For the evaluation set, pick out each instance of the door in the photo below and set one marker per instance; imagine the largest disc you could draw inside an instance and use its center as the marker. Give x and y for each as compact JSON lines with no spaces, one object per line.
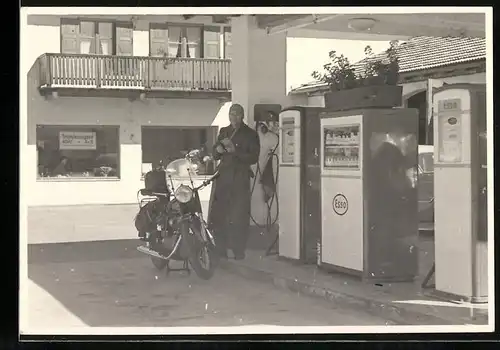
{"x":311,"y":186}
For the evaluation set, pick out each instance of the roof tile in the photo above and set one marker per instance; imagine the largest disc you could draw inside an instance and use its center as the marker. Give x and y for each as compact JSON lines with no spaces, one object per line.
{"x":424,"y":52}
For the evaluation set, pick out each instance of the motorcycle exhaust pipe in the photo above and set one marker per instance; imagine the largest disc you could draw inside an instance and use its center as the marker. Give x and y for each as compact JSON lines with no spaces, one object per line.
{"x":150,"y":252}
{"x":147,"y":250}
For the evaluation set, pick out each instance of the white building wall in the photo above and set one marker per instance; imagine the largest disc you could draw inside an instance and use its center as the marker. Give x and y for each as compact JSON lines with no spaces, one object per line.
{"x":40,"y":40}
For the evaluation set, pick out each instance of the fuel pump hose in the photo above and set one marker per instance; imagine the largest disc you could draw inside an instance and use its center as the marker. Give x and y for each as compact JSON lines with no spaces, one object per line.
{"x":269,"y":220}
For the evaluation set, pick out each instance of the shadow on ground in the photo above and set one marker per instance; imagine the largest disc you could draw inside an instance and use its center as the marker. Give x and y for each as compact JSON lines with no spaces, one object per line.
{"x":130,"y":292}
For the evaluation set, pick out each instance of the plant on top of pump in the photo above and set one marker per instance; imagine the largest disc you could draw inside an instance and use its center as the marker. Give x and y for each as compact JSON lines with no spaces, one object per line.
{"x":382,"y":69}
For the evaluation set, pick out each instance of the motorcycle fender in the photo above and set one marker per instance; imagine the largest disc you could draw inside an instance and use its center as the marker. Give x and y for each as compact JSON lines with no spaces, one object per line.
{"x":184,"y":245}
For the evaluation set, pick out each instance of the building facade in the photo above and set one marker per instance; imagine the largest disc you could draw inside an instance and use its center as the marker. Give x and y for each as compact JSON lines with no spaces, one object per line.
{"x":111,"y":96}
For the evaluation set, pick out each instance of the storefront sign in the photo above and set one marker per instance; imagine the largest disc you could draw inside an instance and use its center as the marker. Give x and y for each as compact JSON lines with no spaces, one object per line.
{"x":340,"y":204}
{"x":73,"y":140}
{"x":288,"y":141}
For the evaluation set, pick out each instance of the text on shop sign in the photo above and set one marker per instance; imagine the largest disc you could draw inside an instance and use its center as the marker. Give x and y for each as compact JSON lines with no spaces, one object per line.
{"x":77,"y":140}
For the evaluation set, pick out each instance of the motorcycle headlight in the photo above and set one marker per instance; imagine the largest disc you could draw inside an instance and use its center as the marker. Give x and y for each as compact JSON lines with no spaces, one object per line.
{"x":183,"y":194}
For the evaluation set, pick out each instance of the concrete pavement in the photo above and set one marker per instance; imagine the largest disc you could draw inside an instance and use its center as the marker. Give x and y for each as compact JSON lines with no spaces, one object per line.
{"x":130,"y":292}
{"x":402,"y":303}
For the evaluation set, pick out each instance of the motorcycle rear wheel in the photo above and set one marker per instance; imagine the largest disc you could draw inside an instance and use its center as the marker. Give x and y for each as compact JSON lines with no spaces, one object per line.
{"x":202,"y":255}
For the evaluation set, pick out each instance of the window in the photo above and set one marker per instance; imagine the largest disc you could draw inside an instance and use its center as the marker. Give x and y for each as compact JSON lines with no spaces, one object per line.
{"x":170,"y":143}
{"x":99,"y":38}
{"x":77,"y":151}
{"x":227,"y":43}
{"x":175,"y":41}
{"x":426,"y":162}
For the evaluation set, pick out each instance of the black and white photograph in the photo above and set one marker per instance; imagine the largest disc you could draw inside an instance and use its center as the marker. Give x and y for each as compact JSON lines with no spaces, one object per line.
{"x":156,"y":196}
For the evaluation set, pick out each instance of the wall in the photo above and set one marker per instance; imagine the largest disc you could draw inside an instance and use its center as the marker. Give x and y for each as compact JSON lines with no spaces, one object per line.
{"x":258,"y":67}
{"x":39,"y":40}
{"x":130,"y":116}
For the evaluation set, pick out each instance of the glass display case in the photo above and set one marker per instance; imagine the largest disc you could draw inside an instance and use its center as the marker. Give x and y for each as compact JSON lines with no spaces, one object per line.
{"x":341,"y":147}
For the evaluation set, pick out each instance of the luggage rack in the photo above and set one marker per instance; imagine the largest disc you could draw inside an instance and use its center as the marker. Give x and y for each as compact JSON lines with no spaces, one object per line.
{"x":144,"y":199}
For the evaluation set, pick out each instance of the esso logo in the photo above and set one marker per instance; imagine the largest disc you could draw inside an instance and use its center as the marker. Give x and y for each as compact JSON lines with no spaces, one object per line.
{"x":340,"y":204}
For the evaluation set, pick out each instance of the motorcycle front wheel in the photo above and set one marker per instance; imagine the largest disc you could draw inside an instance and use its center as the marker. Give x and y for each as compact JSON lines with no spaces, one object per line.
{"x":202,"y":255}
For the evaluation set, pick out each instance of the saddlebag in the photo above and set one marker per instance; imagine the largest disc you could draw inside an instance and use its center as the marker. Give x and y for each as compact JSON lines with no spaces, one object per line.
{"x":144,"y":220}
{"x":156,"y":181}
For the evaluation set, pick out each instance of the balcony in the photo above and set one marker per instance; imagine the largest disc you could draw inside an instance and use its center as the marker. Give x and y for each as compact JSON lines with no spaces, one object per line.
{"x":154,"y":75}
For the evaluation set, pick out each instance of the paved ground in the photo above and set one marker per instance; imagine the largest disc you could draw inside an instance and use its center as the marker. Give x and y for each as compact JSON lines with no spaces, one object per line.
{"x":130,"y":292}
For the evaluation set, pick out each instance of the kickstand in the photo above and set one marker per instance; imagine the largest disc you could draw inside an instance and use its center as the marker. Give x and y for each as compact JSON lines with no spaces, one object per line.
{"x":428,"y":277}
{"x":185,"y":267}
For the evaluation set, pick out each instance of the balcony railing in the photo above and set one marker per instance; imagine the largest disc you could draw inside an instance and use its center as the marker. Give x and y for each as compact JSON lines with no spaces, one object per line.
{"x":120,"y":72}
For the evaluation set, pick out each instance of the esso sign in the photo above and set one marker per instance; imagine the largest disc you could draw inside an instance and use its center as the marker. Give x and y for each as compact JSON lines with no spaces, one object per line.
{"x":340,"y":204}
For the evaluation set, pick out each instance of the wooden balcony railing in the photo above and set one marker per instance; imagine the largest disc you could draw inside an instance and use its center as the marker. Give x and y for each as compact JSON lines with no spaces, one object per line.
{"x":99,"y":71}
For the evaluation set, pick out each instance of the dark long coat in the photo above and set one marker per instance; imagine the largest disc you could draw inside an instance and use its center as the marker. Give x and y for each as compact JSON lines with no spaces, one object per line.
{"x":230,"y":198}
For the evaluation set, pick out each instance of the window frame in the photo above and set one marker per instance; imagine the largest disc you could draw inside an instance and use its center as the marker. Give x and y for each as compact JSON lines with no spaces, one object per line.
{"x":80,"y":127}
{"x":183,"y":26}
{"x":95,"y":39}
{"x":211,"y":129}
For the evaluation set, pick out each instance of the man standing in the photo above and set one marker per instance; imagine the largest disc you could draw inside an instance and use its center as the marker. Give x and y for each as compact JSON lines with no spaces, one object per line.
{"x":238,"y":148}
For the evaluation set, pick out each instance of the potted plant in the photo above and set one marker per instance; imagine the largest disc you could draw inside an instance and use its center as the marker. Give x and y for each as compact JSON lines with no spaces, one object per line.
{"x":375,"y":86}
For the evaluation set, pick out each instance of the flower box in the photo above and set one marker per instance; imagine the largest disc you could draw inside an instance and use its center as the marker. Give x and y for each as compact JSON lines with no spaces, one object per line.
{"x":376,"y":96}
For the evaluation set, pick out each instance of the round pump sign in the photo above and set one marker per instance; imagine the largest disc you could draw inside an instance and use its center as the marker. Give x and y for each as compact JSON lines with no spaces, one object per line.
{"x":340,"y":204}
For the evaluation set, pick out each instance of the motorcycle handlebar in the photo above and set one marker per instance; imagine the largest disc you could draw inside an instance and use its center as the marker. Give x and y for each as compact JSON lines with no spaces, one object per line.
{"x":207,"y":182}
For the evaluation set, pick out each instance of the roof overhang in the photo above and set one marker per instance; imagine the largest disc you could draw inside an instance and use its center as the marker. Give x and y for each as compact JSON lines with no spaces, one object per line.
{"x":386,"y":26}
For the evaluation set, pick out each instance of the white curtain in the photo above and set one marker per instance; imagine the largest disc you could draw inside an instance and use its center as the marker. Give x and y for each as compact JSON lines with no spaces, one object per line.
{"x":85,"y":46}
{"x":105,"y":48}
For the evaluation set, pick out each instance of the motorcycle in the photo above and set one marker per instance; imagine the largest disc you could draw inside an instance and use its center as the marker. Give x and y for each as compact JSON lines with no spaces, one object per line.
{"x":172,"y":226}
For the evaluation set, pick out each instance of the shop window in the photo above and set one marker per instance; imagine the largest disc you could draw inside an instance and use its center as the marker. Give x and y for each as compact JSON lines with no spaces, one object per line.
{"x":170,"y":143}
{"x":77,"y":151}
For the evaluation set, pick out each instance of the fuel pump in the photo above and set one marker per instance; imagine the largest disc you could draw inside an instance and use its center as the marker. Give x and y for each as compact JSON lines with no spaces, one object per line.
{"x":460,"y":188}
{"x":265,"y":205}
{"x":300,"y":184}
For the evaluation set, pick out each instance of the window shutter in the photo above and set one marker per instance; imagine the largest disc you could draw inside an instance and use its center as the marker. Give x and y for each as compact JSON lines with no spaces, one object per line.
{"x":227,"y":43}
{"x":69,"y":37}
{"x":211,"y":42}
{"x":124,"y":40}
{"x":158,"y":39}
